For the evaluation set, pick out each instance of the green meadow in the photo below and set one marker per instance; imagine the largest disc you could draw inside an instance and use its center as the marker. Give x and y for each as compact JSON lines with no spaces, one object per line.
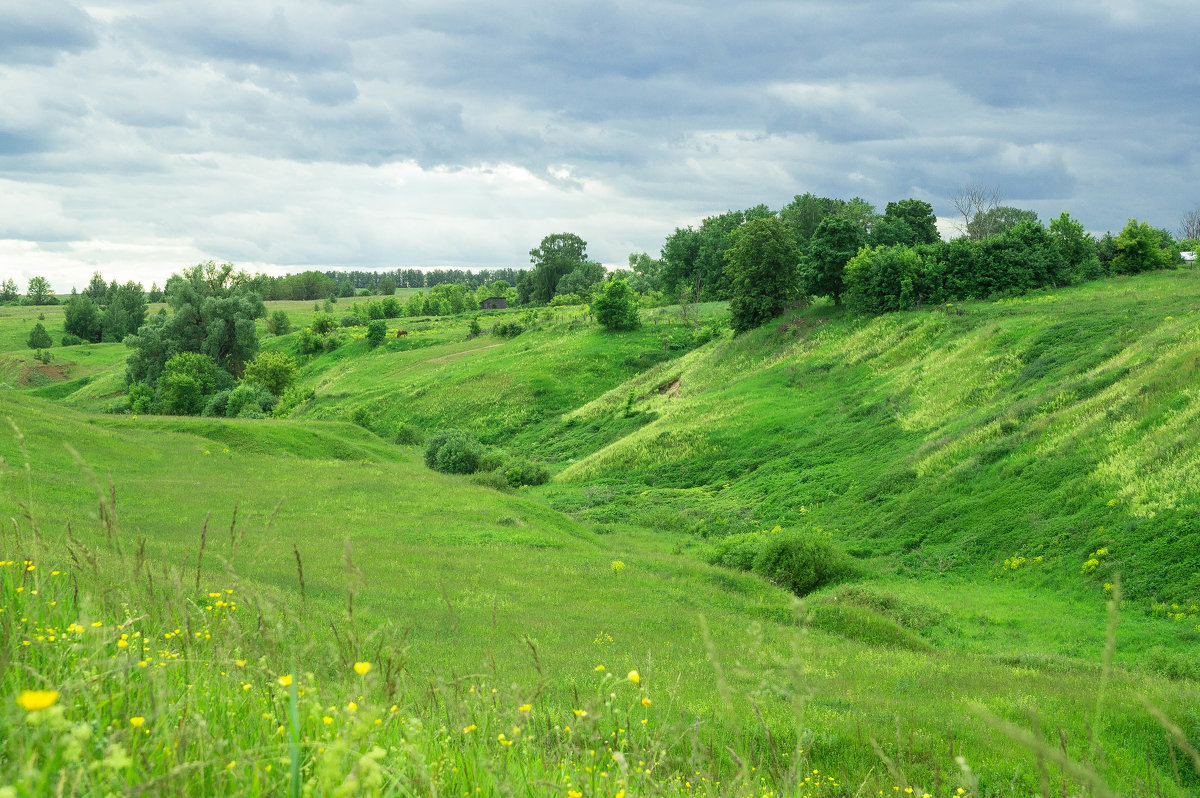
{"x":299,"y":606}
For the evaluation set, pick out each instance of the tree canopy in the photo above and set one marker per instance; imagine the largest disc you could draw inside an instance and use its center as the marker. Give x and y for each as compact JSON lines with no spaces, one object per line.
{"x":762,"y":270}
{"x":557,"y":256}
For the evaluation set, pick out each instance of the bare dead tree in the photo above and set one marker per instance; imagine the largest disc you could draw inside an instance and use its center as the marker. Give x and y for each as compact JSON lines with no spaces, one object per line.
{"x":975,"y":201}
{"x":1189,"y":226}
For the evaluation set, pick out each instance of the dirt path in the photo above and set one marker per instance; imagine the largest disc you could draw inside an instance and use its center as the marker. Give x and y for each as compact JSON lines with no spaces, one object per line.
{"x":453,"y":355}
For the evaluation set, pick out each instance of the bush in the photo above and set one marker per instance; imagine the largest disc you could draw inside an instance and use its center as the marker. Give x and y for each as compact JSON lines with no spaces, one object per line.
{"x":179,"y":394}
{"x":407,"y":435}
{"x":493,"y":459}
{"x":278,"y":323}
{"x":453,"y":452}
{"x":801,"y":561}
{"x":350,"y":320}
{"x":71,"y":340}
{"x":331,"y":342}
{"x":141,"y":398}
{"x":376,"y":332}
{"x":510,"y":329}
{"x":391,"y":307}
{"x":322,"y":323}
{"x":291,"y":399}
{"x":274,"y":371}
{"x":249,"y":394}
{"x":216,"y":404}
{"x":615,"y":305}
{"x":309,"y":342}
{"x":520,"y":471}
{"x":39,"y":338}
{"x":737,"y":551}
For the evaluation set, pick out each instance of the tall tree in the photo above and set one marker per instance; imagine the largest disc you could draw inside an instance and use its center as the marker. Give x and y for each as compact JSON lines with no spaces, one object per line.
{"x":39,"y":292}
{"x":761,"y":268}
{"x":82,"y":317}
{"x":996,"y":220}
{"x":918,"y":215}
{"x":836,"y":240}
{"x":805,"y":212}
{"x":558,"y":255}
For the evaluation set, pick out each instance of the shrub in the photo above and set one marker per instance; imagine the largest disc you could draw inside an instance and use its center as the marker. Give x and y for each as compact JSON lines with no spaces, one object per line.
{"x":493,"y":459}
{"x":216,"y":404}
{"x":39,"y":338}
{"x":141,"y":398}
{"x":510,"y":329}
{"x":520,"y":471}
{"x":350,"y":320}
{"x":473,"y":327}
{"x":249,"y":394}
{"x":331,"y":342}
{"x":801,"y":561}
{"x":179,"y":394}
{"x":278,"y":323}
{"x":376,"y":332}
{"x":737,"y":551}
{"x":291,"y":399}
{"x":615,"y":305}
{"x":391,"y":307}
{"x":274,"y":371}
{"x":322,"y":323}
{"x":407,"y":435}
{"x":71,"y":340}
{"x":453,"y":452}
{"x":309,"y":342}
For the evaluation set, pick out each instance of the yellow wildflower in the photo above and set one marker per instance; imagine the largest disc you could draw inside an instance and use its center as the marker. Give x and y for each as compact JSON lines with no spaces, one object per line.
{"x":136,"y":721}
{"x":634,"y":677}
{"x":362,"y":668}
{"x":33,"y":700}
{"x":286,"y":680}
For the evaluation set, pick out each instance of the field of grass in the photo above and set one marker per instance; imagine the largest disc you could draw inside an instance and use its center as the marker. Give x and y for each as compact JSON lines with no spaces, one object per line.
{"x":971,"y":458}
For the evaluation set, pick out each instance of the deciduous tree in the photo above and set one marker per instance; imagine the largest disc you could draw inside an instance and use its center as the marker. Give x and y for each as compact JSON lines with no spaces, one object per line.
{"x":762,"y":270}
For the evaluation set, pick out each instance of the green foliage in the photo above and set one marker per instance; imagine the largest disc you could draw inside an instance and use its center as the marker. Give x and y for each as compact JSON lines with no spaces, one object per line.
{"x":836,"y":240}
{"x":1077,"y":248}
{"x":71,"y":340}
{"x":350,"y":320}
{"x":555,"y":257}
{"x":994,"y":221}
{"x":453,"y":452}
{"x":291,"y":399}
{"x":141,"y":398}
{"x":508,"y":329}
{"x":615,"y":305}
{"x":278,"y":323}
{"x":473,"y":327}
{"x":1141,"y":248}
{"x":323,"y":323}
{"x":275,"y":371}
{"x":408,"y":435}
{"x":801,"y":561}
{"x":883,"y":279}
{"x":249,"y":396}
{"x":40,"y":292}
{"x":918,"y":216}
{"x":82,"y":317}
{"x":187,"y":379}
{"x":520,"y":471}
{"x":762,"y":272}
{"x":39,"y":338}
{"x":376,"y":332}
{"x":581,"y":279}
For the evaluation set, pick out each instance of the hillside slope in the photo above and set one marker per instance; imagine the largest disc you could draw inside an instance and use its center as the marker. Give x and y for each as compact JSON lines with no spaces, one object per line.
{"x":1051,"y":426}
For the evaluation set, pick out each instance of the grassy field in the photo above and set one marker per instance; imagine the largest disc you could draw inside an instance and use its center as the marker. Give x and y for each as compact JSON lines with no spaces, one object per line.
{"x":973,"y":459}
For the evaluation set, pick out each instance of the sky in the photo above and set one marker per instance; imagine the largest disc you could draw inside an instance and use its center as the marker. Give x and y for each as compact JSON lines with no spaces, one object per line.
{"x":141,"y":137}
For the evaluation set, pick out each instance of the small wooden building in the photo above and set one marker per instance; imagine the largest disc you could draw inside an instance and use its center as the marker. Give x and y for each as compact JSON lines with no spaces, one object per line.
{"x":494,"y":303}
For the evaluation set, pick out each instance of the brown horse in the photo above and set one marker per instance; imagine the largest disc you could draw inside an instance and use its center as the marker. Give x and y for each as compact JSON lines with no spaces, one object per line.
{"x":401,"y":333}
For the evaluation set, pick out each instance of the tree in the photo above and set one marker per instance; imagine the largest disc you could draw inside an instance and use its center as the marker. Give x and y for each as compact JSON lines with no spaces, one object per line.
{"x":387,"y":287}
{"x":376,"y":332}
{"x":918,"y":215}
{"x":557,"y":255}
{"x":805,"y":213}
{"x":9,"y":291}
{"x":39,"y":292}
{"x":345,"y":288}
{"x":1139,"y":248}
{"x":214,"y":314}
{"x":278,"y":323}
{"x":973,"y":201}
{"x":1189,"y":226}
{"x":762,"y":270}
{"x":615,"y":305}
{"x":275,"y":371}
{"x":39,"y":338}
{"x":97,"y":289}
{"x":82,"y":318}
{"x":679,"y":255}
{"x":580,"y":281}
{"x":647,"y":272}
{"x":883,"y":279}
{"x":1076,"y":246}
{"x":996,"y":220}
{"x":186,"y":379}
{"x":836,"y":240}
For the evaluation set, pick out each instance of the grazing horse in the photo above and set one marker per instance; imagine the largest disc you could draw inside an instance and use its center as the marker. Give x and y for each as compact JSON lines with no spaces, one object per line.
{"x":401,"y":333}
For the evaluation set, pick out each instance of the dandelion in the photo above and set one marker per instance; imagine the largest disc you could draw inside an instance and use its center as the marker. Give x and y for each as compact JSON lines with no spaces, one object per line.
{"x":136,"y":721}
{"x":634,"y":677}
{"x":241,"y":663}
{"x":618,"y":566}
{"x":362,"y":668}
{"x":327,"y":720}
{"x":525,"y":707}
{"x":33,"y":700}
{"x":352,"y":707}
{"x":469,"y":729}
{"x":285,"y":680}
{"x":646,"y":701}
{"x":598,"y":668}
{"x":580,"y":713}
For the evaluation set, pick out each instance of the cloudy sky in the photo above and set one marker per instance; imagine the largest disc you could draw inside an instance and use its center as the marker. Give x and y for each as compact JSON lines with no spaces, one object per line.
{"x":140,"y":137}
